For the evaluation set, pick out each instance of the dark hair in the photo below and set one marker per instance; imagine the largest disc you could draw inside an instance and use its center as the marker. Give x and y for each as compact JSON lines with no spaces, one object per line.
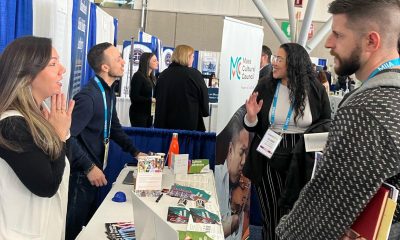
{"x":325,"y":68}
{"x":300,"y":74}
{"x":144,"y":65}
{"x":267,"y":51}
{"x":96,"y":56}
{"x":383,"y":14}
{"x":322,"y":77}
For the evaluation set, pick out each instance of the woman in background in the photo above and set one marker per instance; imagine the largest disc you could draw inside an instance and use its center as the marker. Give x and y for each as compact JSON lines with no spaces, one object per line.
{"x":288,"y":102}
{"x":33,"y":168}
{"x":141,"y":92}
{"x":324,"y":81}
{"x":181,"y":93}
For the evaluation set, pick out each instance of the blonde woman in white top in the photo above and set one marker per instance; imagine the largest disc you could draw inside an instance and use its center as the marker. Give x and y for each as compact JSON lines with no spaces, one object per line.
{"x":33,"y":168}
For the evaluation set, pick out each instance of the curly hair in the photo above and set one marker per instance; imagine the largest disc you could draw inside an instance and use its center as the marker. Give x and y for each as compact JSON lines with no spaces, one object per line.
{"x":300,"y":74}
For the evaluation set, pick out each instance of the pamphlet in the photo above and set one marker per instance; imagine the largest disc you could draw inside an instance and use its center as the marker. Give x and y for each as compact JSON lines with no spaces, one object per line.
{"x":199,"y":166}
{"x":207,"y":222}
{"x":149,"y":176}
{"x":120,"y":231}
{"x":178,"y":215}
{"x":315,"y":142}
{"x":201,"y":215}
{"x":188,"y":193}
{"x":180,"y":163}
{"x":192,"y":235}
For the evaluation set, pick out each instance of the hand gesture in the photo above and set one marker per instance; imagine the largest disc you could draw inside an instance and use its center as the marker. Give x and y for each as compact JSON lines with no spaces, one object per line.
{"x":59,"y":116}
{"x":252,"y":107}
{"x":141,"y":154}
{"x":96,"y":177}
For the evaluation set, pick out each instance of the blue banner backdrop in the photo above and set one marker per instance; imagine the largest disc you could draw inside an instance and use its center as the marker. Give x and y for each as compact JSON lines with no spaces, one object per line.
{"x":16,"y":19}
{"x":80,"y":22}
{"x":91,"y":41}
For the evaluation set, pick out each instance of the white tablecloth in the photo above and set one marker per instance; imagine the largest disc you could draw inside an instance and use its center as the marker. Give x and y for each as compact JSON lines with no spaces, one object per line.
{"x":110,"y":211}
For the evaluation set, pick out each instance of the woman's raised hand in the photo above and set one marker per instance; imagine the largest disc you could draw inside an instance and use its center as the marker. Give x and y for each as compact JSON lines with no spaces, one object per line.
{"x":252,"y":107}
{"x":60,"y":116}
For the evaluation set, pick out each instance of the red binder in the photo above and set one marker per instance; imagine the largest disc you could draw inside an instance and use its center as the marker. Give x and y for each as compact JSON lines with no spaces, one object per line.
{"x":367,"y":224}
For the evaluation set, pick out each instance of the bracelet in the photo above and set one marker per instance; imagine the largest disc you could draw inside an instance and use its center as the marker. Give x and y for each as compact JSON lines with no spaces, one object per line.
{"x":90,"y":169}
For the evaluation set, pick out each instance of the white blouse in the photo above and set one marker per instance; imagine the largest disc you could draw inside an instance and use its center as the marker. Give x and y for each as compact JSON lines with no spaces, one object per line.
{"x":282,"y":109}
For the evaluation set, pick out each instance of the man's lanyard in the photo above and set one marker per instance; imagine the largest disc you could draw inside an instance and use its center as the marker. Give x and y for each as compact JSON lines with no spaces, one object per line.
{"x":106,"y":128}
{"x":389,"y":64}
{"x":274,"y":103}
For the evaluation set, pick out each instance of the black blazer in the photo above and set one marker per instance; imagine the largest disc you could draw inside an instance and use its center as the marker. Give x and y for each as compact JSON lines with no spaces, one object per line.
{"x":320,"y":109}
{"x":140,"y":94}
{"x":182,"y":99}
{"x":265,"y":71}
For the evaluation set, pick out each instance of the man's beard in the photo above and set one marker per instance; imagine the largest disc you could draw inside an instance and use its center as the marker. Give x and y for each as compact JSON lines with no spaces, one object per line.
{"x":112,"y":74}
{"x":350,"y":65}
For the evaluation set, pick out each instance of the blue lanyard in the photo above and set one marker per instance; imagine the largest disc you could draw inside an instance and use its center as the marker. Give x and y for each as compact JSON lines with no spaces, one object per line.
{"x":274,"y":103}
{"x":389,"y":64}
{"x":103,"y":93}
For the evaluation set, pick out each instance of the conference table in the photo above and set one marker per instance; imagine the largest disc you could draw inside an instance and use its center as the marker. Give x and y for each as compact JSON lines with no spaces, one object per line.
{"x":110,"y":211}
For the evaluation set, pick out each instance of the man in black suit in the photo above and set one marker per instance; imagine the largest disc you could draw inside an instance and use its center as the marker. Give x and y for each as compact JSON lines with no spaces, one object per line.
{"x":265,"y":62}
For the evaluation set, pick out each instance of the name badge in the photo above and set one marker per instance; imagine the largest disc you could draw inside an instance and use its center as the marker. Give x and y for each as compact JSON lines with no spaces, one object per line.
{"x":269,"y":143}
{"x":106,"y":147}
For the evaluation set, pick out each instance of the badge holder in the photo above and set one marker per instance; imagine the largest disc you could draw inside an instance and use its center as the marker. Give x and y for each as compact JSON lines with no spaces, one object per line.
{"x":269,"y":143}
{"x":106,"y":147}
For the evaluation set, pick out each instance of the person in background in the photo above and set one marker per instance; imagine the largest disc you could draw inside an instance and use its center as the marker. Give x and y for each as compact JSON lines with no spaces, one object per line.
{"x":344,"y":83}
{"x":322,"y":79}
{"x":265,"y":62}
{"x":363,"y":147}
{"x":94,"y":123}
{"x":141,"y":92}
{"x":210,"y":80}
{"x":181,"y":94}
{"x":34,"y":169}
{"x":287,"y":103}
{"x":328,"y":75}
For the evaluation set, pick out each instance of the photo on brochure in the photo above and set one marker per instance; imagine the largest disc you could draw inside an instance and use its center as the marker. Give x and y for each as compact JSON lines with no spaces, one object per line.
{"x":201,"y":215}
{"x":150,"y":164}
{"x":120,"y":231}
{"x":178,"y":215}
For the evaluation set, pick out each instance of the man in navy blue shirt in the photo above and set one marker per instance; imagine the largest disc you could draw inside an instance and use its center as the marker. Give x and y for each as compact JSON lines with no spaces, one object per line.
{"x":94,"y":123}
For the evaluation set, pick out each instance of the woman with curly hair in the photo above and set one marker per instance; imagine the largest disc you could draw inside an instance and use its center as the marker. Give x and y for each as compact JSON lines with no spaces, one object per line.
{"x":287,"y":103}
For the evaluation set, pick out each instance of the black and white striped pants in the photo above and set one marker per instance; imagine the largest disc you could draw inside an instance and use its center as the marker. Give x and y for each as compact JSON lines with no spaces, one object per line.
{"x":270,"y":187}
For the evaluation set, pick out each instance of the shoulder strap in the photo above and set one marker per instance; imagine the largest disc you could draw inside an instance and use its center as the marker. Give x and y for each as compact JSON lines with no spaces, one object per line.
{"x":10,"y":113}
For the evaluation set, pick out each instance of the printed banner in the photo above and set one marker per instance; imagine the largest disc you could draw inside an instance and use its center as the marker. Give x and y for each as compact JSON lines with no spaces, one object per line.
{"x":239,"y":71}
{"x":80,"y":19}
{"x":131,"y":68}
{"x":239,"y":66}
